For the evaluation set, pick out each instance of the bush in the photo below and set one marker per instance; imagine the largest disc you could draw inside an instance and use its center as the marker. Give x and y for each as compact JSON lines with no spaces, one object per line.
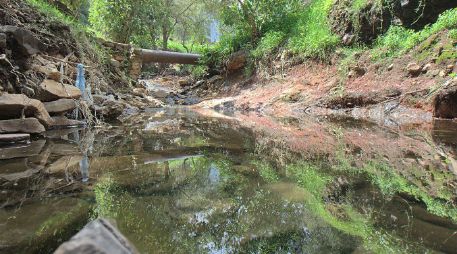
{"x":312,"y":36}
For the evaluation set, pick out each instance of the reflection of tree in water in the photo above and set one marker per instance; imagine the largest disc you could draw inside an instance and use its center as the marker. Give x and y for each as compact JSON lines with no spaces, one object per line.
{"x":217,"y":209}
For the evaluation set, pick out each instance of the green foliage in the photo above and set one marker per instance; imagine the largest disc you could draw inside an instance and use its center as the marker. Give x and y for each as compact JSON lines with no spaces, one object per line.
{"x":308,"y":176}
{"x":398,"y":39}
{"x":271,"y":41}
{"x":53,"y":13}
{"x":312,"y":36}
{"x":266,"y":171}
{"x":453,"y":34}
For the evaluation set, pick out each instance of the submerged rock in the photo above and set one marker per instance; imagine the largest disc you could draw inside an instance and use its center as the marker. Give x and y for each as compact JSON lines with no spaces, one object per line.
{"x":99,"y":236}
{"x":22,"y":151}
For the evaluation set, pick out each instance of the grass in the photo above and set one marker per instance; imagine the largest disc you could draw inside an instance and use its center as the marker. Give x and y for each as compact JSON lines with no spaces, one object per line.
{"x":52,"y":13}
{"x":266,"y":171}
{"x":342,"y":216}
{"x":398,"y":40}
{"x":312,"y":36}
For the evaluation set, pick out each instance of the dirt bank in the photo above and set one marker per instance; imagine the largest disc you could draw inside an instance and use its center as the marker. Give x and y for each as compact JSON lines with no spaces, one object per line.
{"x":410,"y":89}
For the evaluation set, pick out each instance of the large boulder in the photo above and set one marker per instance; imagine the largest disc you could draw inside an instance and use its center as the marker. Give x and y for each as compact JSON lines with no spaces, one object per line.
{"x":418,"y":13}
{"x":27,"y":125}
{"x":237,"y":61}
{"x":24,"y":38}
{"x":50,"y":71}
{"x":363,"y":24}
{"x":50,"y":90}
{"x":60,"y":106}
{"x":99,"y":236}
{"x":110,"y":109}
{"x":13,"y":105}
{"x":445,"y":102}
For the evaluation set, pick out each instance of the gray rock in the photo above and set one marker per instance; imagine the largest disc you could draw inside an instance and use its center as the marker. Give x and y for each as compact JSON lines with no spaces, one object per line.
{"x":12,"y":106}
{"x":60,"y":106}
{"x":2,"y":40}
{"x":24,"y":38}
{"x":98,"y":237}
{"x":27,"y":125}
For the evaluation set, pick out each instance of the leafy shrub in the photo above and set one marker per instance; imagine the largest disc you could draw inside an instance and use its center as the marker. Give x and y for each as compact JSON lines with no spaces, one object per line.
{"x":271,"y":41}
{"x":312,"y":36}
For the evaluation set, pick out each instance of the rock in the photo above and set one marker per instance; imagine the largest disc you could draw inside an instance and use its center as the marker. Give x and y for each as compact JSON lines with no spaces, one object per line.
{"x":50,"y":71}
{"x":64,"y":163}
{"x":390,"y":67}
{"x":364,"y":24}
{"x":27,"y":125}
{"x":13,"y":138}
{"x":435,"y":73}
{"x":427,"y":67}
{"x":348,"y":39}
{"x":30,"y":92}
{"x":442,"y":74}
{"x":12,"y":105}
{"x":99,"y":99}
{"x":183,"y":82}
{"x":141,"y":92}
{"x":450,"y":68}
{"x":60,"y":106}
{"x":414,"y":69}
{"x":153,"y":103}
{"x":445,"y":102}
{"x":115,"y":63}
{"x":24,"y":38}
{"x":418,"y":13}
{"x":237,"y":61}
{"x":99,"y":237}
{"x":51,"y":90}
{"x":214,"y":79}
{"x":22,"y":151}
{"x":357,"y":71}
{"x":63,"y":122}
{"x":2,"y":41}
{"x":159,"y":93}
{"x":110,"y":109}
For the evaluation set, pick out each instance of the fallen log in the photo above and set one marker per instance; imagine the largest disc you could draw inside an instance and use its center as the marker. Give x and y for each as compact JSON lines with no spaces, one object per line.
{"x":159,"y":56}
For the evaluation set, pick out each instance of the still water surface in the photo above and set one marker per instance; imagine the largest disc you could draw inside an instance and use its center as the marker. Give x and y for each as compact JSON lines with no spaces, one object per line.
{"x":176,"y":181}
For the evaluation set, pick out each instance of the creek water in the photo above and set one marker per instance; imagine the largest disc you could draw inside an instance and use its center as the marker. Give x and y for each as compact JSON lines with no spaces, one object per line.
{"x":178,"y":181}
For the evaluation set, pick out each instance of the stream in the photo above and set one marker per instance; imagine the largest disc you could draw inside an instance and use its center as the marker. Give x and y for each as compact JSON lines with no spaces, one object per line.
{"x":178,"y":180}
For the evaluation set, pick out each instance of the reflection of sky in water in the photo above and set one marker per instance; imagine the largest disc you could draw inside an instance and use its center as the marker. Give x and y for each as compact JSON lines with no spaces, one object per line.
{"x":214,"y":175}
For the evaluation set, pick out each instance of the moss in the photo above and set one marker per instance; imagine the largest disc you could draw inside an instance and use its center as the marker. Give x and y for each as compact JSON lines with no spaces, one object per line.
{"x":448,"y":52}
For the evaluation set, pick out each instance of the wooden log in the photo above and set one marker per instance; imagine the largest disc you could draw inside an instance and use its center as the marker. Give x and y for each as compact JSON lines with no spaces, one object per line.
{"x":159,"y":56}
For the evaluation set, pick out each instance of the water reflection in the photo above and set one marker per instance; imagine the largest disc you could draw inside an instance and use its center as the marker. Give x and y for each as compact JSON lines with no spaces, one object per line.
{"x":176,"y":181}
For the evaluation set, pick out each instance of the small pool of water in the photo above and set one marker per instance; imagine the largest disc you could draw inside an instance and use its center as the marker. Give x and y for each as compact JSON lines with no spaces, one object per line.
{"x":178,"y":181}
